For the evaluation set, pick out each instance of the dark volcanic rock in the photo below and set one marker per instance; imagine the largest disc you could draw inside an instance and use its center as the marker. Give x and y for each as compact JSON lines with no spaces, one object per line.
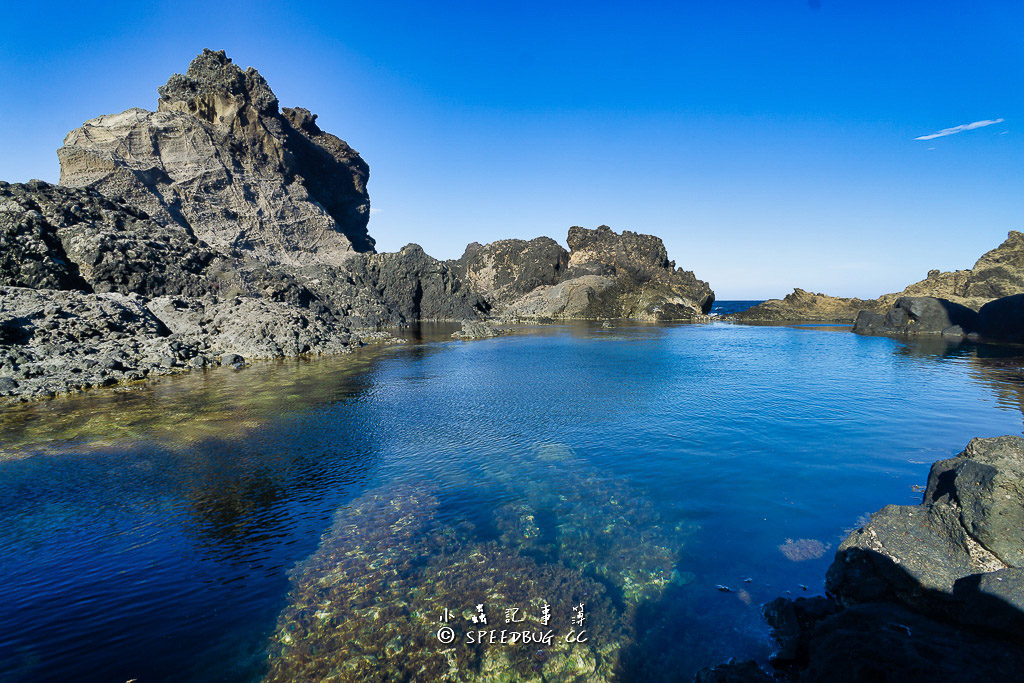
{"x":919,"y":315}
{"x":926,"y":591}
{"x":885,"y":642}
{"x":31,"y":254}
{"x":220,"y":160}
{"x":406,"y":286}
{"x":985,"y":485}
{"x":616,"y":276}
{"x":957,"y":555}
{"x":78,"y":239}
{"x":507,"y":269}
{"x":1003,"y":318}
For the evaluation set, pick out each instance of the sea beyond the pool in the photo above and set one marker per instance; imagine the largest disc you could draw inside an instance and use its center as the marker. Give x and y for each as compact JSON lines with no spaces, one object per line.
{"x":299,"y":518}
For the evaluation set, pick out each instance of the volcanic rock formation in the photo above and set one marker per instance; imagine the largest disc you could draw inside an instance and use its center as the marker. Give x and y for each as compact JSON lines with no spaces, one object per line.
{"x":219,"y":159}
{"x":239,"y":230}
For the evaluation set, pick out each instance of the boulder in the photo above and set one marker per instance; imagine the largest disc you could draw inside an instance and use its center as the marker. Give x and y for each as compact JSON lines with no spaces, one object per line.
{"x":474,"y":329}
{"x":919,"y":315}
{"x":956,"y":556}
{"x":1003,"y":319}
{"x":985,"y":485}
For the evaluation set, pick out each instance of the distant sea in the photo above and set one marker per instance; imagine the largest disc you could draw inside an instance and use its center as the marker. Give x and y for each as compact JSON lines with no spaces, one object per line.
{"x":727,"y":307}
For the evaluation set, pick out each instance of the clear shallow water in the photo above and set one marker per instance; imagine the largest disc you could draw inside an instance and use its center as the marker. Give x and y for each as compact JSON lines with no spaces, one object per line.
{"x":149,"y":533}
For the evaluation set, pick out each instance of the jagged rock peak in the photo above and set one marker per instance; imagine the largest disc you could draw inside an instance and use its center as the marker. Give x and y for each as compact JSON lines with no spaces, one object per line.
{"x":220,"y":160}
{"x":214,"y":88}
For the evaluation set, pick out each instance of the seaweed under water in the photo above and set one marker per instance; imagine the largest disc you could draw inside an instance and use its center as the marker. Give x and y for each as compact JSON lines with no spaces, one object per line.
{"x":392,"y":575}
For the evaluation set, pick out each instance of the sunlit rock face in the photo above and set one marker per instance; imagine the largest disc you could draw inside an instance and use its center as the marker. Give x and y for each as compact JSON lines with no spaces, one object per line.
{"x":220,"y":159}
{"x":604,"y":274}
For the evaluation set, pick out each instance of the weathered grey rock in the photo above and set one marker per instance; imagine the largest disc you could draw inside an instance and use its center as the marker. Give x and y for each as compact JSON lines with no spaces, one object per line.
{"x":985,"y":484}
{"x":254,"y":328}
{"x":803,"y":306}
{"x":59,"y":341}
{"x":221,"y":161}
{"x":473,"y":329}
{"x":505,"y":270}
{"x":913,"y":554}
{"x":573,"y":298}
{"x":919,"y":315}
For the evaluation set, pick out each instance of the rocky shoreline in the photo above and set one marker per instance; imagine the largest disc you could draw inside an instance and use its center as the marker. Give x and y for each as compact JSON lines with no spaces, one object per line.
{"x":221,"y":226}
{"x":923,"y":591}
{"x":985,"y":302}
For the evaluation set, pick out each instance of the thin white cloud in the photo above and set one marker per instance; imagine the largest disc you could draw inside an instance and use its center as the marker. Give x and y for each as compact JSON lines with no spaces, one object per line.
{"x":374,"y":209}
{"x":960,"y":129}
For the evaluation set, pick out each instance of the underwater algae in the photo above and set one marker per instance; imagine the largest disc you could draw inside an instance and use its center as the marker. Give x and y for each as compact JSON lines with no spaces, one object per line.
{"x":392,"y":572}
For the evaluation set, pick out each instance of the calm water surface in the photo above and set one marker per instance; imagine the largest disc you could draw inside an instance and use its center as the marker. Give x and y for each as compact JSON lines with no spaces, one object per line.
{"x":149,"y":533}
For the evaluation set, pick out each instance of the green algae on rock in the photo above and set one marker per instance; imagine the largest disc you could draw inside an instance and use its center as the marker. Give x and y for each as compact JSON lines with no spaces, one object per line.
{"x":374,"y":601}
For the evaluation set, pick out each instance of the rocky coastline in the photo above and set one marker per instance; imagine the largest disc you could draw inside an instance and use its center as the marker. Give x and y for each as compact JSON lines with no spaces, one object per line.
{"x":919,"y":592}
{"x":222,"y":228}
{"x":935,"y":305}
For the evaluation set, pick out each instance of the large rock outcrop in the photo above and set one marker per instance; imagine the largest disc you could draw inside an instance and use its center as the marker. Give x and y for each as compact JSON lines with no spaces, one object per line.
{"x":910,"y":315}
{"x":998,"y":273}
{"x":240,"y":228}
{"x":808,"y":307}
{"x":505,"y":270}
{"x":221,"y":160}
{"x":604,"y":275}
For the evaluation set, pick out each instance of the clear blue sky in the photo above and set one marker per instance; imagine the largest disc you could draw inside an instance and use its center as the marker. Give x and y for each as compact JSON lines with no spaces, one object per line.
{"x":770,"y":143}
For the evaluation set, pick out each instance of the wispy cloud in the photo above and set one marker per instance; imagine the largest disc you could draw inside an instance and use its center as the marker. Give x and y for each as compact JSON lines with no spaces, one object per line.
{"x":960,"y":129}
{"x":374,"y":209}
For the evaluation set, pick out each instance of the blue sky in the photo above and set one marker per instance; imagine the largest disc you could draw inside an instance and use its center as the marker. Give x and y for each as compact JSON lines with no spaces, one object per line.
{"x":771,"y":144}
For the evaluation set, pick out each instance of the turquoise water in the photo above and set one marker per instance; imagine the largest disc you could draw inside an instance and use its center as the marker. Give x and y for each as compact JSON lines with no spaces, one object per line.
{"x":176,"y":531}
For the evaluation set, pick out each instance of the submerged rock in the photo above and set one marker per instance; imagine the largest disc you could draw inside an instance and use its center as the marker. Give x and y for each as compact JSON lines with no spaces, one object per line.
{"x":392,"y":594}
